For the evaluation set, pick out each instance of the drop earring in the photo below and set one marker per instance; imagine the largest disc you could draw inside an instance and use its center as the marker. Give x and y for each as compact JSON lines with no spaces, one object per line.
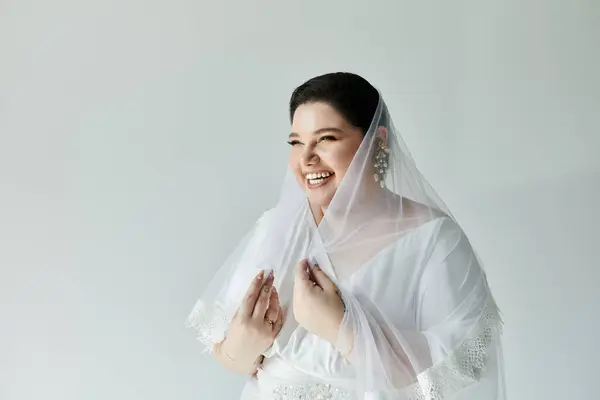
{"x":382,"y":155}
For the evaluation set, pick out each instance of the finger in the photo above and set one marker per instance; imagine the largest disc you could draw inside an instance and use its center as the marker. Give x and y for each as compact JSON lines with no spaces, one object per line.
{"x":322,"y":279}
{"x":247,"y":306}
{"x":262,"y":303}
{"x":302,"y":271}
{"x":273,"y":311}
{"x":279,"y":322}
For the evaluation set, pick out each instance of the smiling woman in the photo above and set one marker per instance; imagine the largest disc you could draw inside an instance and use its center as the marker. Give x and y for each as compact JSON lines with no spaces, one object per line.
{"x":324,"y":143}
{"x":393,"y":304}
{"x":330,"y":118}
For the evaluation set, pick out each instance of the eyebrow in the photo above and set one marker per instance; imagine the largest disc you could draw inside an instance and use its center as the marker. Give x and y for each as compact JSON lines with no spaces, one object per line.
{"x":319,"y":131}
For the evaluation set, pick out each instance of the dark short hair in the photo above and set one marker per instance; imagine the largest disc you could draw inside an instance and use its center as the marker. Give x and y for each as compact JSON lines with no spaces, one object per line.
{"x":350,"y":94}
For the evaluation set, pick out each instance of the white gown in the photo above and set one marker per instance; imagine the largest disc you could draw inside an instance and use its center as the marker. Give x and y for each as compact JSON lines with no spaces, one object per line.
{"x":417,"y":284}
{"x":420,"y":322}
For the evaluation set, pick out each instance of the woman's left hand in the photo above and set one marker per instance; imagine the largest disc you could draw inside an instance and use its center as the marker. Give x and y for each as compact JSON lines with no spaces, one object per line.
{"x":317,"y":305}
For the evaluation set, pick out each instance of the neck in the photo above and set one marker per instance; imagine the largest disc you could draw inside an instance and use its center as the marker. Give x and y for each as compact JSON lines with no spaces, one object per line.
{"x":367,"y":202}
{"x":318,"y":212}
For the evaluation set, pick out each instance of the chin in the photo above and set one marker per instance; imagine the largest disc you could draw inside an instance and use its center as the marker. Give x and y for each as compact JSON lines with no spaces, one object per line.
{"x":320,"y":200}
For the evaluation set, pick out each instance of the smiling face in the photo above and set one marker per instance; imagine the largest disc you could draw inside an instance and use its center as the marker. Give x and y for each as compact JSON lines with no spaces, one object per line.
{"x":323,"y":146}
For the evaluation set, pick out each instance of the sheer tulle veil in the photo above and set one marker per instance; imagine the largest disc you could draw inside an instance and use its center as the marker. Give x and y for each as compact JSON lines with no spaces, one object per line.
{"x":382,"y":198}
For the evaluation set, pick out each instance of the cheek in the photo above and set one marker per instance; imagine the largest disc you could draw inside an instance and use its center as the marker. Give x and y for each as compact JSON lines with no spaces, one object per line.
{"x":293,"y":160}
{"x":294,"y":163}
{"x":342,"y":158}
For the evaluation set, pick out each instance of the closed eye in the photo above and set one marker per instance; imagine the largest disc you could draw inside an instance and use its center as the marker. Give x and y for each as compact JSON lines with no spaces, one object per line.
{"x":322,"y":138}
{"x":327,"y":138}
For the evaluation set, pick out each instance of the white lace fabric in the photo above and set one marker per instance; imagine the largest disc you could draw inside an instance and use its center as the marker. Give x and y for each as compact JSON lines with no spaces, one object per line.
{"x":210,"y":325}
{"x":465,"y":365}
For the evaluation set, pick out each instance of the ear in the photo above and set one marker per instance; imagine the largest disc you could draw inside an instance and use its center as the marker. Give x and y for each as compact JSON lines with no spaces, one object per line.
{"x":381,"y":133}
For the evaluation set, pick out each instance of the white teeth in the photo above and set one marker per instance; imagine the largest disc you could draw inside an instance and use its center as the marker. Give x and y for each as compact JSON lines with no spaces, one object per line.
{"x":318,"y":175}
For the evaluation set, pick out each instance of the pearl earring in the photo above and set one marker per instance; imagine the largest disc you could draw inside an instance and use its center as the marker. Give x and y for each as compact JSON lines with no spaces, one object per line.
{"x":382,"y":155}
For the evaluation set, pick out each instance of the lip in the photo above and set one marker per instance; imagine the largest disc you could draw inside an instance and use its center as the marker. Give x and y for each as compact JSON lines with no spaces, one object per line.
{"x":318,"y":185}
{"x":317,"y":171}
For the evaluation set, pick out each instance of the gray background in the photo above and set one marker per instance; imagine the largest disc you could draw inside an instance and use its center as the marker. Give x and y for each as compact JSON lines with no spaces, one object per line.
{"x":141,"y":139}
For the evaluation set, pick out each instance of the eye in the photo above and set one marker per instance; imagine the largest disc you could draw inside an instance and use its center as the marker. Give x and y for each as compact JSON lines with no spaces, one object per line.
{"x":328,"y":137}
{"x":293,"y":142}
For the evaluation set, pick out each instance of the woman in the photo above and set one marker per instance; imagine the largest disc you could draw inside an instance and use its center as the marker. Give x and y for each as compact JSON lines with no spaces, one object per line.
{"x":359,"y":284}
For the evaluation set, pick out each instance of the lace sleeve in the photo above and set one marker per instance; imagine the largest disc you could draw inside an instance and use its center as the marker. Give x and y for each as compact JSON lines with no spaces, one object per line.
{"x":465,"y":365}
{"x":459,"y":317}
{"x":212,"y":314}
{"x":210,"y":324}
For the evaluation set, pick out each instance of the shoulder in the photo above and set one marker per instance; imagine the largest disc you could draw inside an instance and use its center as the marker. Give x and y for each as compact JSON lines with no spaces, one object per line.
{"x":450,"y":252}
{"x":446,"y":231}
{"x":440,"y":234}
{"x":430,"y":242}
{"x":447,"y":237}
{"x":264,"y":224}
{"x":265,"y":217}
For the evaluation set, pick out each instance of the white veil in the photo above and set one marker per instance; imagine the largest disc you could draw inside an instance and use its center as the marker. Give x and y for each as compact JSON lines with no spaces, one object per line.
{"x":454,"y":354}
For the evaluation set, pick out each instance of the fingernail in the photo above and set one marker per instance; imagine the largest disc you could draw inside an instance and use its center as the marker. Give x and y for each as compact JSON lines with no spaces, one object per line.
{"x":260,"y":275}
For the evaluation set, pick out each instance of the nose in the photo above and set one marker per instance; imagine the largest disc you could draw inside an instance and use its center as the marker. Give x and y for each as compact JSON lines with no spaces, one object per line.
{"x":309,"y":157}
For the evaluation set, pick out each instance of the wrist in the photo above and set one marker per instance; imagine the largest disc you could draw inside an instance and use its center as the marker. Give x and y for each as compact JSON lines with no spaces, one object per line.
{"x":333,"y":333}
{"x":240,"y":363}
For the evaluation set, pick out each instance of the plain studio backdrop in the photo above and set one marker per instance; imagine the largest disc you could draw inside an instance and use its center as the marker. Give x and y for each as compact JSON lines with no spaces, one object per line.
{"x":141,"y":139}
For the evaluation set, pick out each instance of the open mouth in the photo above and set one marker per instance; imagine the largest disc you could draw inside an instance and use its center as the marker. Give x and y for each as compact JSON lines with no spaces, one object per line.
{"x":318,"y":179}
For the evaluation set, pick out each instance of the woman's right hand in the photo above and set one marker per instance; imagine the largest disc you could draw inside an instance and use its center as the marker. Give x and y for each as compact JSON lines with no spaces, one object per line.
{"x":254,"y":326}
